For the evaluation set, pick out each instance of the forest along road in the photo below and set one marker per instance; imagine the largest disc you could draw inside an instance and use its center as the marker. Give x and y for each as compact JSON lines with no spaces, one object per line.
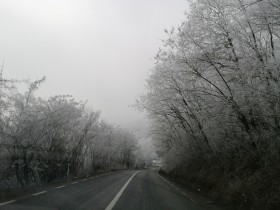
{"x":120,"y":190}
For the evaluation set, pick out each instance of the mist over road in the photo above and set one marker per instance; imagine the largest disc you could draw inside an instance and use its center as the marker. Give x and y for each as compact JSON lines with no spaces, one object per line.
{"x":128,"y":189}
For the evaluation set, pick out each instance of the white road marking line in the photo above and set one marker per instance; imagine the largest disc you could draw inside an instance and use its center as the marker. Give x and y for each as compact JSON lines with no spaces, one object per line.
{"x":74,"y":182}
{"x":11,"y":201}
{"x":39,"y":193}
{"x":106,"y":173}
{"x":60,"y":186}
{"x":96,"y":176}
{"x":116,"y":198}
{"x":177,"y":189}
{"x":191,"y":199}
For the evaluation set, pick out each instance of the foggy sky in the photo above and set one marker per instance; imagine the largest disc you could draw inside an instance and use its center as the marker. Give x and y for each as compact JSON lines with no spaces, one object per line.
{"x":95,"y":50}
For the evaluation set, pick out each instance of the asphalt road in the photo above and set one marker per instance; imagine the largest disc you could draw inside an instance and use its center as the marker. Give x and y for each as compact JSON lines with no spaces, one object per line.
{"x":120,"y":190}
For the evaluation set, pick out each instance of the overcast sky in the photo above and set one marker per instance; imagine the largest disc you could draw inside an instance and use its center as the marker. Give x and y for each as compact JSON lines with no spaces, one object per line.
{"x":95,"y":50}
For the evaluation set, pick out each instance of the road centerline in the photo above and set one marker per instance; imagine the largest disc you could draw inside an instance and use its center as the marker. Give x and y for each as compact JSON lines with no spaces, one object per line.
{"x":5,"y":203}
{"x":60,"y":186}
{"x":39,"y":193}
{"x":117,"y":197}
{"x":74,"y":182}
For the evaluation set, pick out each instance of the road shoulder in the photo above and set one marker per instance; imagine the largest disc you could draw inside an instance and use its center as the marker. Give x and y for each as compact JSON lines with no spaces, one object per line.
{"x":193,"y":194}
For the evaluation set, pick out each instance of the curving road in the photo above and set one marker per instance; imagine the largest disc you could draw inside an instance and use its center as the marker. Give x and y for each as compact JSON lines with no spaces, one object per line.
{"x":120,"y":190}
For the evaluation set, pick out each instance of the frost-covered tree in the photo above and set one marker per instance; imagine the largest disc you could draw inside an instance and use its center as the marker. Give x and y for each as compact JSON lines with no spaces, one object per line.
{"x":56,"y":138}
{"x":213,"y":95}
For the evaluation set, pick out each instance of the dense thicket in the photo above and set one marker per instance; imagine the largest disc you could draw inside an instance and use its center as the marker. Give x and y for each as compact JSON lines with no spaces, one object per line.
{"x":214,"y":99}
{"x":46,"y":139}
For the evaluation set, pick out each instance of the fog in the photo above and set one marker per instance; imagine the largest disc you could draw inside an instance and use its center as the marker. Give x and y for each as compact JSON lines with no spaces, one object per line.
{"x":99,"y":50}
{"x":210,"y":136}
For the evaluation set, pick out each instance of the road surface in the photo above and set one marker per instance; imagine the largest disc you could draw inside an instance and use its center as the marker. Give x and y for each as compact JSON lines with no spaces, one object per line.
{"x":120,"y":190}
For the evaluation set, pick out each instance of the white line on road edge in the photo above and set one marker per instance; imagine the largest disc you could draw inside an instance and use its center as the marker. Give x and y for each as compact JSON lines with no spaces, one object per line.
{"x":98,"y":176}
{"x":39,"y":193}
{"x":105,"y":174}
{"x":116,"y":198}
{"x":177,"y":188}
{"x":74,"y":182}
{"x":2,"y":204}
{"x":60,"y":186}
